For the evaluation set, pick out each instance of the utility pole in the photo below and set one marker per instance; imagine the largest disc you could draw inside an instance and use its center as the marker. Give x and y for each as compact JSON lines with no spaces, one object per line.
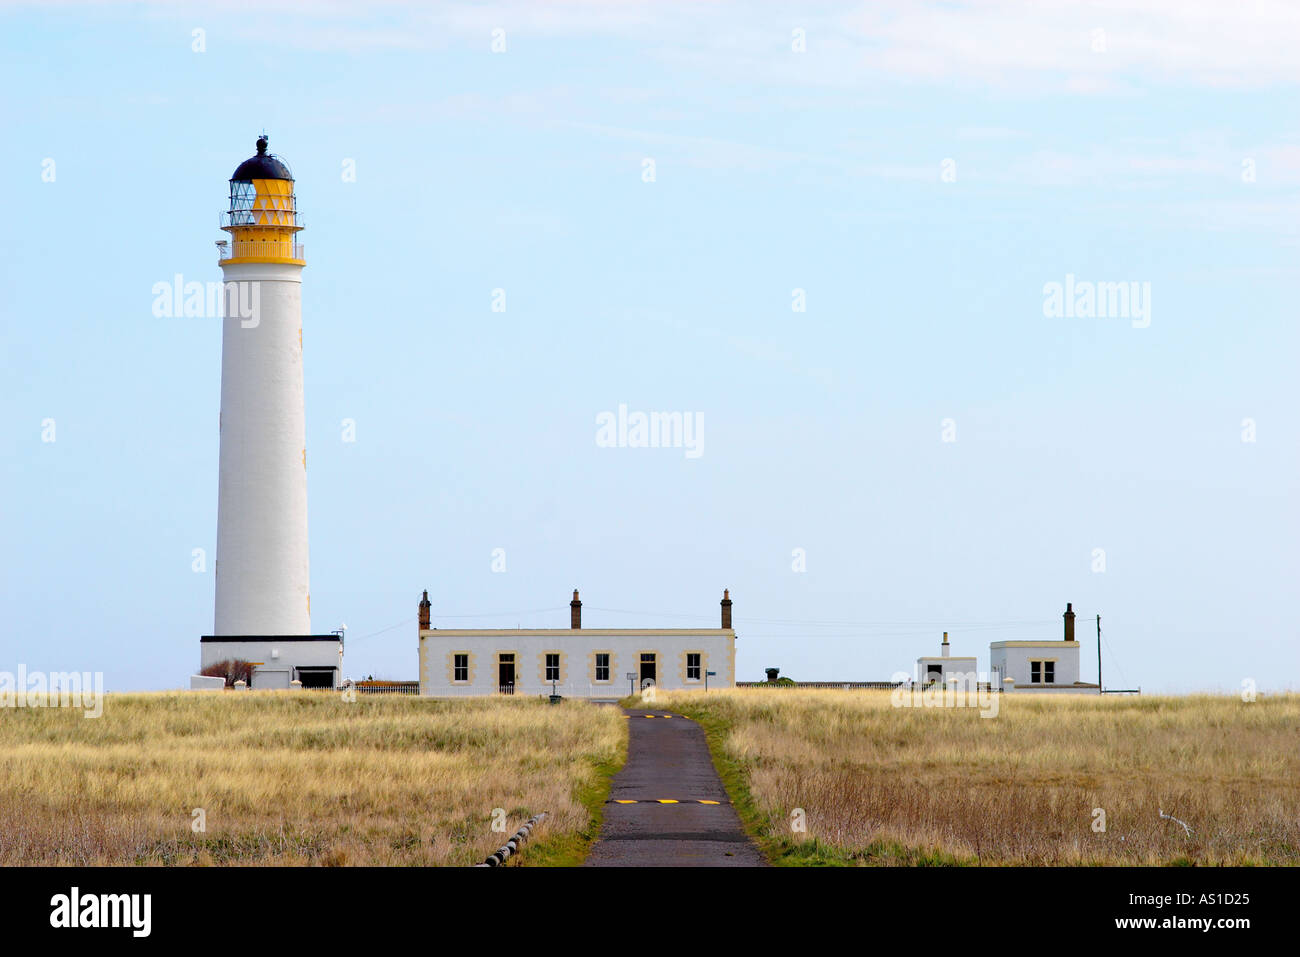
{"x":1099,"y":684}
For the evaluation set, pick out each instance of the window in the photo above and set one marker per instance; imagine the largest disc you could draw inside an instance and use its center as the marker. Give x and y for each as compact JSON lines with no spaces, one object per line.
{"x":242,"y":198}
{"x":692,"y":666}
{"x":1049,"y":672}
{"x":460,"y":667}
{"x":316,"y":677}
{"x":553,"y":667}
{"x":602,"y":666}
{"x":1035,"y":672}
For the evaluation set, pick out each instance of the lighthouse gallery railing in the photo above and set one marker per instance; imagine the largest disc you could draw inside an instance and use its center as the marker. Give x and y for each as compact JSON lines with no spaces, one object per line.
{"x":260,"y":248}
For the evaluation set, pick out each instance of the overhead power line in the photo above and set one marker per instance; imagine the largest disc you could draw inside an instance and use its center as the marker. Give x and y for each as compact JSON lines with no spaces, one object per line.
{"x":494,"y":614}
{"x":949,"y":623}
{"x":897,"y":628}
{"x":503,"y":614}
{"x":381,"y":631}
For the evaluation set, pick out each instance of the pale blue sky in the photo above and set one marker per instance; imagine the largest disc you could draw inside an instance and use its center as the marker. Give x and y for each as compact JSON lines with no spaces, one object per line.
{"x":776,"y":170}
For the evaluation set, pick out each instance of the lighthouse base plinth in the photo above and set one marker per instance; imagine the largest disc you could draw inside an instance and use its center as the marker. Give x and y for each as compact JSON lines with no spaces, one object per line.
{"x":314,"y":660}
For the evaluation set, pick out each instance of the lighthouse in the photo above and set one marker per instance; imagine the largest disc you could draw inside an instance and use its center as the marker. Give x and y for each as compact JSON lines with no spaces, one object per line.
{"x":263,"y":598}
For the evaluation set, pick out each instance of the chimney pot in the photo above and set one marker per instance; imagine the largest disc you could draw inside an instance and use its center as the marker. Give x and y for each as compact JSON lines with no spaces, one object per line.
{"x":1069,"y":621}
{"x":425,"y":605}
{"x":575,"y":611}
{"x":726,"y":608}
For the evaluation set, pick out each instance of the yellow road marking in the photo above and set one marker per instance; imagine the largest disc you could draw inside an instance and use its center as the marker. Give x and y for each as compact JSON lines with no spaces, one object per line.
{"x":661,"y":801}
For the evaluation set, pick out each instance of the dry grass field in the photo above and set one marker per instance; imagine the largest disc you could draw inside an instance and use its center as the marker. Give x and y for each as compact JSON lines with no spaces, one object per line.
{"x":300,"y":778}
{"x":886,"y":785}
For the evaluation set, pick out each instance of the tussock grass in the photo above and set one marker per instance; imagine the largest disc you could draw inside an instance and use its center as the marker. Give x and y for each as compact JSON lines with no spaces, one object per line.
{"x":887,"y":785}
{"x":300,"y":778}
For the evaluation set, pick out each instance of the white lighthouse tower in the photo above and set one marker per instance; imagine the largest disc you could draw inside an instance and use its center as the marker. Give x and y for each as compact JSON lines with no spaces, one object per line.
{"x":263,"y":600}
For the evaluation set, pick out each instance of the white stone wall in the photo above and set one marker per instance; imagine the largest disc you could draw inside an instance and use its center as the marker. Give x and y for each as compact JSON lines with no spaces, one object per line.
{"x":261,"y":564}
{"x":951,"y":666}
{"x":278,"y":656}
{"x":577,"y":648}
{"x":1012,"y":658}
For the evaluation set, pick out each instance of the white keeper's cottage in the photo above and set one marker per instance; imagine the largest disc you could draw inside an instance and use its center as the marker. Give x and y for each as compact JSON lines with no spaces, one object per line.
{"x":593,"y":663}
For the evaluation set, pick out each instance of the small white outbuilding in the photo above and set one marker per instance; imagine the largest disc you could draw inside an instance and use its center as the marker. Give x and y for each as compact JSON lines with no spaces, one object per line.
{"x":280,"y":660}
{"x":1040,"y":666}
{"x":946,"y":668}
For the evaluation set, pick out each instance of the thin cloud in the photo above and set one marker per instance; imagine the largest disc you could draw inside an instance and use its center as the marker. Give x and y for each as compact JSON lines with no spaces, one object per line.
{"x":1102,"y":48}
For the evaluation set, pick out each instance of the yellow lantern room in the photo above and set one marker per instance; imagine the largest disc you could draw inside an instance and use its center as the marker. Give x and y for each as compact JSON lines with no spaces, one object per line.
{"x":263,"y":219}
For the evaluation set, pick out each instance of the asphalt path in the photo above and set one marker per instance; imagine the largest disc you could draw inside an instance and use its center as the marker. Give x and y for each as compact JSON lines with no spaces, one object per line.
{"x":667,"y":807}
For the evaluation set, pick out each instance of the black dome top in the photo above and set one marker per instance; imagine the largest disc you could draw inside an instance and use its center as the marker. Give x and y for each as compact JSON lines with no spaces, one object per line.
{"x":261,"y":166}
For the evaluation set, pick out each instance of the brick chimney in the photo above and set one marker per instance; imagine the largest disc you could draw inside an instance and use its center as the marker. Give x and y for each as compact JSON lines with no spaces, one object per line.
{"x":1069,"y":621}
{"x":726,"y":608}
{"x":425,"y":605}
{"x":575,"y":611}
